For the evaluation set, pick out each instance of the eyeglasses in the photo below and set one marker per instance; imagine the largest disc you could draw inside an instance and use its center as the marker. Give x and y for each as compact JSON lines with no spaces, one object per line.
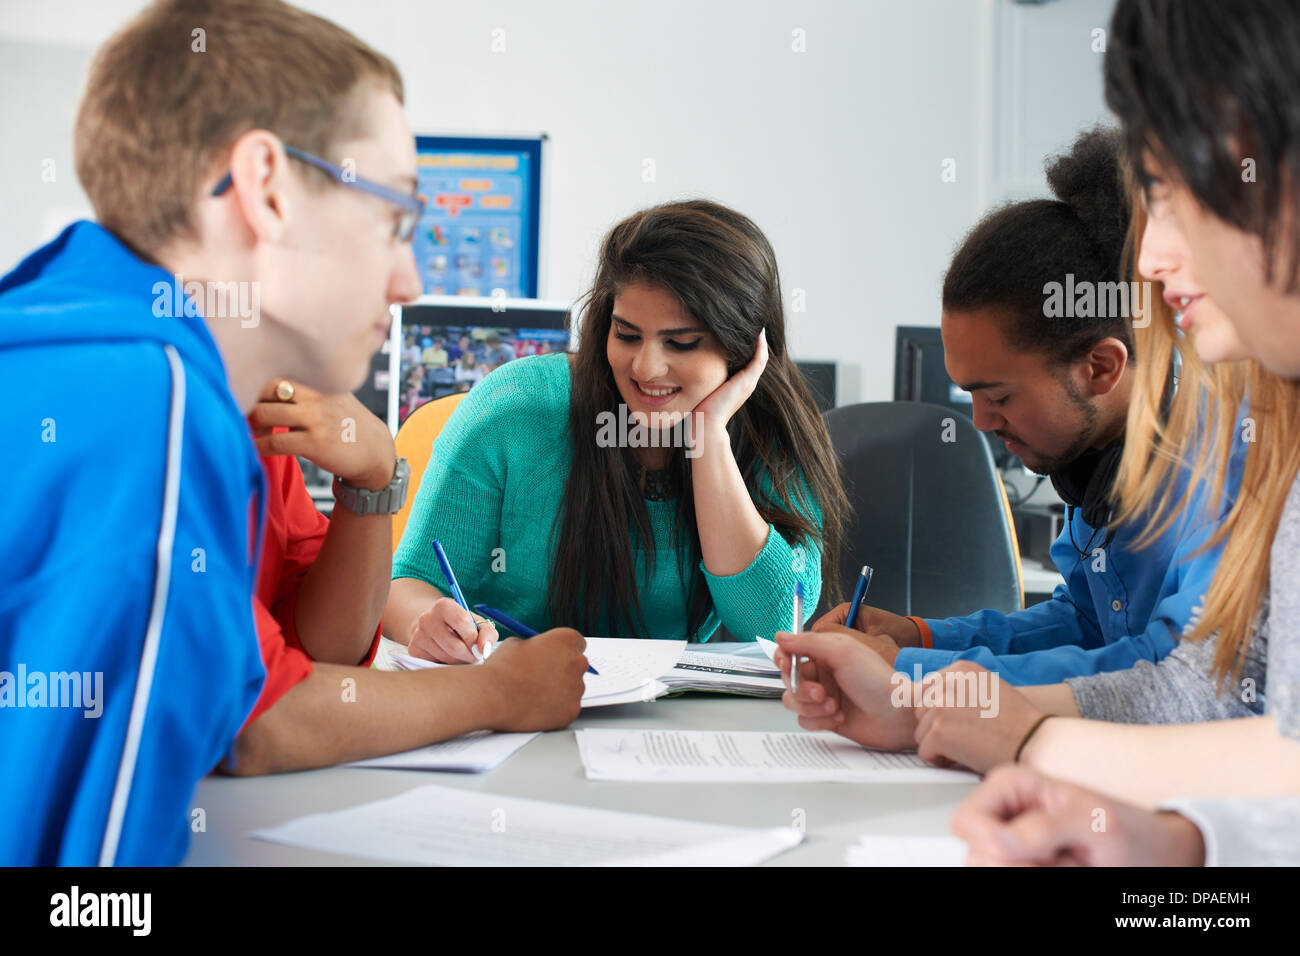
{"x":412,"y":206}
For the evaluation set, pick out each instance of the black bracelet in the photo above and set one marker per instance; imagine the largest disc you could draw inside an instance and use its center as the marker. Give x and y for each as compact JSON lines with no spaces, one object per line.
{"x":1032,"y":730}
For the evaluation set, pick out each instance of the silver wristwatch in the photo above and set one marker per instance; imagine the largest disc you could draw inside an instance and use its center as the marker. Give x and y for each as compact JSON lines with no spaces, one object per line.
{"x":387,"y":501}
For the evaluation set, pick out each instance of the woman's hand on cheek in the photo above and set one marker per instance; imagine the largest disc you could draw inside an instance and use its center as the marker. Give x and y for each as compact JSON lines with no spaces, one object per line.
{"x":724,"y":401}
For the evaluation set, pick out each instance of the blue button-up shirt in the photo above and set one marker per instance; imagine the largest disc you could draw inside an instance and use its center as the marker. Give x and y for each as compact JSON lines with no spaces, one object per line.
{"x":1118,"y":604}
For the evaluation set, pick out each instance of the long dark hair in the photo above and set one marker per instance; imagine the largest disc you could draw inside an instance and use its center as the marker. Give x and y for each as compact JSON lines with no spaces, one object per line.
{"x":722,"y":270}
{"x":1205,"y":86}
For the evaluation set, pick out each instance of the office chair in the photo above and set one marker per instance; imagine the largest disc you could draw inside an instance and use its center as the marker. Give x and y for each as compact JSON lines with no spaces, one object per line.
{"x":930,"y":514}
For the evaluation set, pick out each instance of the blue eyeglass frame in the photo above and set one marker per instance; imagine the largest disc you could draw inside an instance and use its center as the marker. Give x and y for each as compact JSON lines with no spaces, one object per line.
{"x":412,"y":206}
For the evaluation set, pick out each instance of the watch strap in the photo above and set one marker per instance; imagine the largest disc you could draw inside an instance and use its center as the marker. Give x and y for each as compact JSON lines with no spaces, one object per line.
{"x":362,"y":501}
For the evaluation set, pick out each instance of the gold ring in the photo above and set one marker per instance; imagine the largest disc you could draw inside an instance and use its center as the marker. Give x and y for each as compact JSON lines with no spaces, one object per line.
{"x":284,"y":390}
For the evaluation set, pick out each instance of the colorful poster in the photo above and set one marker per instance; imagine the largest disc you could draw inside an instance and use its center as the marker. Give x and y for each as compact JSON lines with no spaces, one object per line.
{"x":478,"y":232}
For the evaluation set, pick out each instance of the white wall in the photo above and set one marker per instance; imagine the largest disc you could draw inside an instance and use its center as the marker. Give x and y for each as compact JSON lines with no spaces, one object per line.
{"x":836,"y":152}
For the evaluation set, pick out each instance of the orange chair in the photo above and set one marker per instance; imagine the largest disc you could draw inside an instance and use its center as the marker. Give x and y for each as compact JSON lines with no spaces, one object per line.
{"x":1015,"y":539}
{"x":415,"y":443}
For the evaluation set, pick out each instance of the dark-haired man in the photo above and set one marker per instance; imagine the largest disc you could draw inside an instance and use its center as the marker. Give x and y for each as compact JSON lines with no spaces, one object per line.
{"x":1194,"y":82}
{"x":1055,"y":388}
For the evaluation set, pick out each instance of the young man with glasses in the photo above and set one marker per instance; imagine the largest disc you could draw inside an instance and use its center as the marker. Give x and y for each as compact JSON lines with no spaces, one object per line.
{"x":126,"y":630}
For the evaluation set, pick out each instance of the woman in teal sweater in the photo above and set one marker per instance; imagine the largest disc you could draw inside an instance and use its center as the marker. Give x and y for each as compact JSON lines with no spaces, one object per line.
{"x":672,"y":475}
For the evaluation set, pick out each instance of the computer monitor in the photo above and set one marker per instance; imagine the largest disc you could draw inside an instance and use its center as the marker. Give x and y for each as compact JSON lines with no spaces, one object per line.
{"x":447,"y":344}
{"x":921,"y":376}
{"x":480,"y":234}
{"x":820,"y":378}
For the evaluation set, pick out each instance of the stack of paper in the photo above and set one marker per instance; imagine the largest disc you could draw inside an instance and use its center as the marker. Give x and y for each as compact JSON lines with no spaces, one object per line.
{"x":445,"y":826}
{"x":628,"y":669}
{"x":476,"y":752}
{"x":749,"y":756}
{"x":725,"y":674}
{"x":906,"y":851}
{"x":403,"y":661}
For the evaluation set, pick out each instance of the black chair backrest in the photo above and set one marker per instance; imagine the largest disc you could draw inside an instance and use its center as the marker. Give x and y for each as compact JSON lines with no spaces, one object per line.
{"x":929,"y":511}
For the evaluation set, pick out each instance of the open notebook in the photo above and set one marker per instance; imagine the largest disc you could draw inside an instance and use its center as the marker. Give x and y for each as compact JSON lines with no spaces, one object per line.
{"x":642,"y":670}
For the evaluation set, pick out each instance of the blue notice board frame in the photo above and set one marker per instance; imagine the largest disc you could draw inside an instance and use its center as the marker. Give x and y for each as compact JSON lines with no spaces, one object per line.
{"x":446,"y":254}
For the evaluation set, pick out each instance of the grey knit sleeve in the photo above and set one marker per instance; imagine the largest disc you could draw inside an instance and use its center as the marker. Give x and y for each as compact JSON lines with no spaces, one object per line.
{"x":1284,"y":686}
{"x":1245,"y":831}
{"x":1179,"y":689}
{"x":1284,"y":601}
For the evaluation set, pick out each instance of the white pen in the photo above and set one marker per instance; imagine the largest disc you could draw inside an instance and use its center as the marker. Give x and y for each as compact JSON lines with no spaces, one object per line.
{"x":794,"y":629}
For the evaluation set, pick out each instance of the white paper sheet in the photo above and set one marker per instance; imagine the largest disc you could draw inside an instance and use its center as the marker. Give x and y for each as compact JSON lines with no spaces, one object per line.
{"x":906,"y":851}
{"x":628,"y":668}
{"x":435,"y":825}
{"x":641,"y":694}
{"x":403,"y":661}
{"x":627,"y":664}
{"x":749,"y":756}
{"x":477,"y":752}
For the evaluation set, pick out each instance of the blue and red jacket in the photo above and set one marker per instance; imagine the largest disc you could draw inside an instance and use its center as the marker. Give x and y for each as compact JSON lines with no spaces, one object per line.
{"x":128,"y":555}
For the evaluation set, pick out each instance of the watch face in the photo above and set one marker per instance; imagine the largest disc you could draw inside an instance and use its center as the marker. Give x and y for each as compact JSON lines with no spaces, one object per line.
{"x":388,"y":500}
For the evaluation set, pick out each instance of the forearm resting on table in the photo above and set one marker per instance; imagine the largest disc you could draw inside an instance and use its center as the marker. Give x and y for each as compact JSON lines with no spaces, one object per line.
{"x":322,"y":721}
{"x":342,"y":596}
{"x":1148,"y":764}
{"x":408,"y":598}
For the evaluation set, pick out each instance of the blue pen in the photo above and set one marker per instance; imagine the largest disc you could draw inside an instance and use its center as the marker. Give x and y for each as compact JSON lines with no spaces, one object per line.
{"x":505,"y":620}
{"x":457,"y":595}
{"x":521,"y":629}
{"x":859,"y":593}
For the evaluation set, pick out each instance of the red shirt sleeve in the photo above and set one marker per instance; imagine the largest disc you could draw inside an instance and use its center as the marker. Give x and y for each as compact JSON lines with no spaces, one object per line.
{"x":285,"y":665}
{"x":291,"y":540}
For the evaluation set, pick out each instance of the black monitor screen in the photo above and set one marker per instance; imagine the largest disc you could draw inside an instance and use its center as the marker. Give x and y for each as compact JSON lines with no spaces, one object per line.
{"x":820,"y":378}
{"x":921,"y":376}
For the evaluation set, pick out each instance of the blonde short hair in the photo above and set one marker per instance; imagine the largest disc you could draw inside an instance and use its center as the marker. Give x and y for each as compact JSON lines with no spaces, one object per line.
{"x":171,"y":91}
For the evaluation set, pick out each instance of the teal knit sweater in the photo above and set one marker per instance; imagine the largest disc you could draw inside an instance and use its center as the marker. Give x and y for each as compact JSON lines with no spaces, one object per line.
{"x":494,"y":484}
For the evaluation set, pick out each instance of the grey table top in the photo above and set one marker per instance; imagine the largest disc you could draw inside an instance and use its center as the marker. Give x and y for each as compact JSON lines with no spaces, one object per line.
{"x":834,"y":815}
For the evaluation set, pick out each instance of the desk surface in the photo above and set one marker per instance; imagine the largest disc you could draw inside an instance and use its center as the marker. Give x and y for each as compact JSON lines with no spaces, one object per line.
{"x":549,"y":768}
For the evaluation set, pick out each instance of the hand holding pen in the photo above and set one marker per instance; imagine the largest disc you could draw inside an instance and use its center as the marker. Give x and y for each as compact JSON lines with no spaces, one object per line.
{"x":448,"y":632}
{"x":481,"y":653}
{"x":521,"y":630}
{"x":859,"y":594}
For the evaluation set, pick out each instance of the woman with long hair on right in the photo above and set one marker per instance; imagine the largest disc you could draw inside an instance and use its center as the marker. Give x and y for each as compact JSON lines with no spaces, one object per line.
{"x":1231,"y":262}
{"x":1220,"y":669}
{"x":1247,"y":254}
